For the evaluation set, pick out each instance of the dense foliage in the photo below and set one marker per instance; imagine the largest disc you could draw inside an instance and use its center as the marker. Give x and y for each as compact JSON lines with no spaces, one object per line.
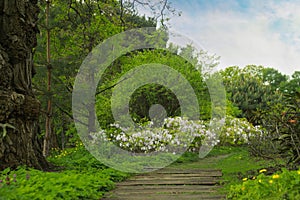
{"x":146,"y":96}
{"x":280,"y":185}
{"x":76,"y":27}
{"x":80,"y":176}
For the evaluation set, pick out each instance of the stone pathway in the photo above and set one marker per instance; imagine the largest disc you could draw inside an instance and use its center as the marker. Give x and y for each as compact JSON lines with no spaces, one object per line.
{"x":170,"y":184}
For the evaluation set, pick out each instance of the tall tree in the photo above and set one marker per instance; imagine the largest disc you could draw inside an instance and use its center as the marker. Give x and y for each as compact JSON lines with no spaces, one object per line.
{"x":249,"y":91}
{"x":49,"y":69}
{"x":76,"y":28}
{"x":274,"y":78}
{"x":19,"y":113}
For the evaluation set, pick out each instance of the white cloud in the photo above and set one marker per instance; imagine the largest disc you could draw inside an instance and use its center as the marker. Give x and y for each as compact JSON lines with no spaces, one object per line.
{"x":242,"y":39}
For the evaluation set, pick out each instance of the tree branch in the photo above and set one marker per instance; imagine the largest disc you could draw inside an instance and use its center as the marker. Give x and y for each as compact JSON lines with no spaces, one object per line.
{"x":69,"y":115}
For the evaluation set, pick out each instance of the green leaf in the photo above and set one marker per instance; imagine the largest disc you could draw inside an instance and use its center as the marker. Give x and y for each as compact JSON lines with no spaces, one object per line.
{"x":6,"y":171}
{"x":282,"y":137}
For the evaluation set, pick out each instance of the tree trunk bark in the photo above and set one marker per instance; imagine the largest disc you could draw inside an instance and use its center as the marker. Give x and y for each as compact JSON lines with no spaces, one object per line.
{"x":19,"y":109}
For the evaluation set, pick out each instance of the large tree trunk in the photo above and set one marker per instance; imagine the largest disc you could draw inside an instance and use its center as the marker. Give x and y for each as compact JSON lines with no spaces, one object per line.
{"x":19,"y":109}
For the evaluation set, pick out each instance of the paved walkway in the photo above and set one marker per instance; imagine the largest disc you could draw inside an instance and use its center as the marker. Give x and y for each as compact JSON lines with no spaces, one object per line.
{"x":170,"y":184}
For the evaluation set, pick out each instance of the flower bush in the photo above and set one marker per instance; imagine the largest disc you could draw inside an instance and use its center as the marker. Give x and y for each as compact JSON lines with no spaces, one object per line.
{"x":177,"y":133}
{"x":283,"y":185}
{"x":238,"y":131}
{"x":60,"y":153}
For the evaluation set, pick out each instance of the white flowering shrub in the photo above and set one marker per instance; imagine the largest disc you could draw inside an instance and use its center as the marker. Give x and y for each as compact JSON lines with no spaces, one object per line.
{"x":238,"y":131}
{"x":179,"y":133}
{"x":176,"y":133}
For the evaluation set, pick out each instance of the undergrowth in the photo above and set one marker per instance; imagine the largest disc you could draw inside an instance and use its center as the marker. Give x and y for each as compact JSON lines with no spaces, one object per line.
{"x":81,"y":177}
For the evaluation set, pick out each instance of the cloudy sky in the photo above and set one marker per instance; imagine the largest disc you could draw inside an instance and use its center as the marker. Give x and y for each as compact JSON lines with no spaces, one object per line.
{"x":243,"y":32}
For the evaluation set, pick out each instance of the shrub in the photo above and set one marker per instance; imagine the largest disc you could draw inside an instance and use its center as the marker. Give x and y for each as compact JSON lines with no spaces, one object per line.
{"x":175,"y":132}
{"x":179,"y":132}
{"x":281,"y":185}
{"x":238,"y":131}
{"x":282,"y":131}
{"x":69,"y":184}
{"x":83,"y":177}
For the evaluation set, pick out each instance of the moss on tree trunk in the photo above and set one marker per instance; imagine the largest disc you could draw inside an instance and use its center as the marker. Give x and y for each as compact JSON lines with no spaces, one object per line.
{"x":19,"y":109}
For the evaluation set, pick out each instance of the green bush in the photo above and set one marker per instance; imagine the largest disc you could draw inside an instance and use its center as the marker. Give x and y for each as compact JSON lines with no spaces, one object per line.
{"x":281,"y":185}
{"x":70,"y":184}
{"x":82,"y":177}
